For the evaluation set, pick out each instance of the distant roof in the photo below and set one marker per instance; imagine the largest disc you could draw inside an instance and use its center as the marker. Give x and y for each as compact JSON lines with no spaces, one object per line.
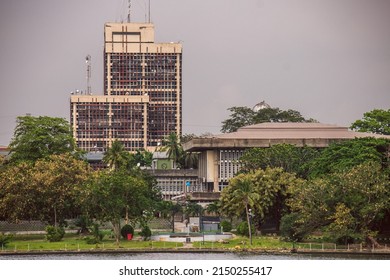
{"x":268,"y":134}
{"x":4,"y":150}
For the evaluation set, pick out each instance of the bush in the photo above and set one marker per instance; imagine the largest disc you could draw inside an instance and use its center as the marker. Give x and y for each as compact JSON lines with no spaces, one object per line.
{"x":226,"y":226}
{"x":127,"y":229}
{"x":290,"y":230}
{"x":243,"y":229}
{"x":84,"y":223}
{"x":97,"y":235}
{"x":146,"y":233}
{"x":5,"y":239}
{"x":54,"y":234}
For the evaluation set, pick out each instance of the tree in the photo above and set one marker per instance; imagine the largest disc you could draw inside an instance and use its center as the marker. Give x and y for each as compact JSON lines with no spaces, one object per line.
{"x":243,"y":116}
{"x":239,"y":117}
{"x":113,"y":195}
{"x":116,"y":156}
{"x":344,"y":205}
{"x":376,"y":121}
{"x":141,"y":158}
{"x":214,"y":208}
{"x":289,"y":157}
{"x":40,"y":137}
{"x":172,"y":146}
{"x":239,"y":196}
{"x":345,"y":155}
{"x":168,"y":210}
{"x":49,"y":190}
{"x":174,"y":149}
{"x":264,"y":191}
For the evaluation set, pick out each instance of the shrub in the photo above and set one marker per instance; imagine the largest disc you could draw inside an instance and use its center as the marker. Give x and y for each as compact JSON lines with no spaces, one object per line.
{"x":127,"y":229}
{"x":226,"y":226}
{"x":84,"y":223}
{"x":146,"y":233}
{"x":54,"y":234}
{"x":290,"y":230}
{"x":5,"y":239}
{"x":97,"y":235}
{"x":243,"y":229}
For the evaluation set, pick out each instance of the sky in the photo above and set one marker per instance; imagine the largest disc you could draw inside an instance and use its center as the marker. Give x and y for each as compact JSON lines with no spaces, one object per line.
{"x":328,"y":59}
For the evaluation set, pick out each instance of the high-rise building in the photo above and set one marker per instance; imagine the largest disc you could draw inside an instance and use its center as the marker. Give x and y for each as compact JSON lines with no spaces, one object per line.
{"x":142,"y":101}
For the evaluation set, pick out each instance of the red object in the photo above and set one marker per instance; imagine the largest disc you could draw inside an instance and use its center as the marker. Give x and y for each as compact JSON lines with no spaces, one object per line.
{"x":129,"y":236}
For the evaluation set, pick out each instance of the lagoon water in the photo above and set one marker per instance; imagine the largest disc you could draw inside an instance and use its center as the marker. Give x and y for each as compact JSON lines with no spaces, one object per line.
{"x":189,"y":256}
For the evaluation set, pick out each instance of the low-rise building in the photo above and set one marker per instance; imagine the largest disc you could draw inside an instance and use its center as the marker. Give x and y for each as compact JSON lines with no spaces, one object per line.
{"x":219,"y":155}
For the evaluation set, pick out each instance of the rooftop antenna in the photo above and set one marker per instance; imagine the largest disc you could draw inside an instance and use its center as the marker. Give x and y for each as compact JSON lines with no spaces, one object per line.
{"x":88,"y":62}
{"x":128,"y":12}
{"x":149,"y":11}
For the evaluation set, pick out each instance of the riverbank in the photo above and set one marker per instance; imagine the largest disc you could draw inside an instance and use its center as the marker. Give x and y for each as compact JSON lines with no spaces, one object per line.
{"x":300,"y":254}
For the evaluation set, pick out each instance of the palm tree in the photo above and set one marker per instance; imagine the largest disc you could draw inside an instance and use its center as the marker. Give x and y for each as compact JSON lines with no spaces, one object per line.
{"x":116,"y":156}
{"x":214,"y":208}
{"x":240,"y":195}
{"x":172,"y":146}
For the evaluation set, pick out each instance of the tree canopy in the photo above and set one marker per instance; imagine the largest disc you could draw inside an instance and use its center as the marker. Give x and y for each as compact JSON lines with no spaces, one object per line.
{"x":243,"y":116}
{"x":347,"y":154}
{"x":345,"y":205}
{"x":48,"y":190}
{"x":116,"y":194}
{"x":376,"y":121}
{"x":264,"y":191}
{"x":289,"y":157}
{"x":40,"y":137}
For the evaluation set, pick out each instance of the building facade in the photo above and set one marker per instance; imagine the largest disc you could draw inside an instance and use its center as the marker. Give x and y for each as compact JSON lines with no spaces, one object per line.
{"x":142,"y":100}
{"x":219,"y":155}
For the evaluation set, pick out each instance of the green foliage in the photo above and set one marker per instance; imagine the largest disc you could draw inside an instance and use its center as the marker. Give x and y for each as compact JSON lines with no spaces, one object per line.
{"x":376,"y":121}
{"x":48,"y":190}
{"x":339,"y":157}
{"x":289,"y":157}
{"x":226,"y":226}
{"x":39,"y":137}
{"x":264,"y":191}
{"x":142,"y":158}
{"x":193,"y":209}
{"x":54,"y":234}
{"x":172,"y":145}
{"x":290,"y":228}
{"x":84,"y":223}
{"x":243,"y":116}
{"x":239,"y":117}
{"x":243,"y":229}
{"x":97,"y":234}
{"x":5,"y":239}
{"x":116,"y":156}
{"x":121,"y":193}
{"x":168,"y":210}
{"x":345,"y":205}
{"x":127,"y":229}
{"x":146,"y":233}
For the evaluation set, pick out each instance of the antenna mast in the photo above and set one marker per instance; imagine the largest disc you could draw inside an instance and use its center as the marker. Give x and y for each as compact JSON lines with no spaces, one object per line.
{"x":88,"y":62}
{"x":128,"y":12}
{"x":149,"y":11}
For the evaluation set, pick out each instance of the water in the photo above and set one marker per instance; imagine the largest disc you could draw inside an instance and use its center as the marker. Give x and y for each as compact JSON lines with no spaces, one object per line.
{"x":192,"y":256}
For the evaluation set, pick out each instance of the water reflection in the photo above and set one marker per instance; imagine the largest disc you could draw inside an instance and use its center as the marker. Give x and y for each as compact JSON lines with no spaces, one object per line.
{"x":190,"y":256}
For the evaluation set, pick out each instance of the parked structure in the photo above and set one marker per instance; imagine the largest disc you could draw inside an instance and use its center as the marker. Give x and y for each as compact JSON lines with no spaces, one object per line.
{"x":142,"y":101}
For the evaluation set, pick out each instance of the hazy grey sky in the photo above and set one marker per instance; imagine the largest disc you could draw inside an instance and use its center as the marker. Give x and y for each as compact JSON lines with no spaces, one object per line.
{"x":328,"y":59}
